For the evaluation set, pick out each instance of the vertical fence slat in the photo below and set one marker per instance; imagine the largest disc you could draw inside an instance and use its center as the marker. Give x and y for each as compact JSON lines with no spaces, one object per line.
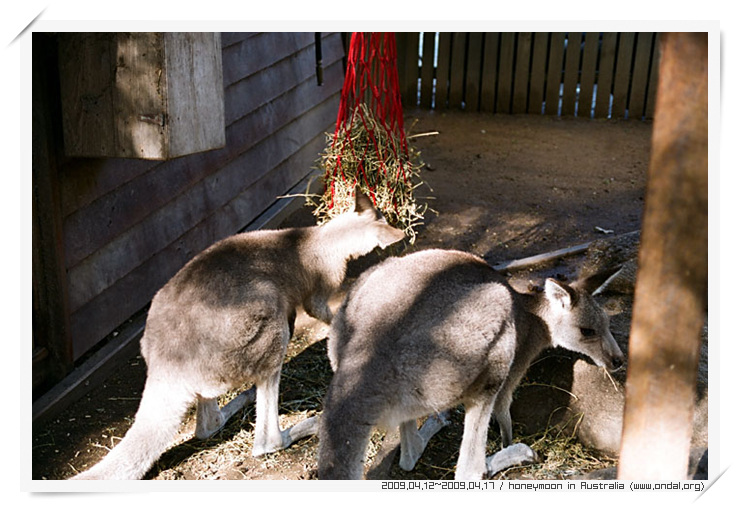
{"x":400,"y":64}
{"x":537,"y":77}
{"x":505,"y":74}
{"x":472,"y":79}
{"x":653,"y":84}
{"x":521,"y":73}
{"x":606,"y":74}
{"x":554,"y":73}
{"x":639,"y":81}
{"x":443,"y":70}
{"x":588,"y":74}
{"x":489,"y":73}
{"x":403,"y":72}
{"x":412,"y":66}
{"x":457,"y":69}
{"x":622,"y":74}
{"x":570,"y":75}
{"x":407,"y":46}
{"x":427,"y":69}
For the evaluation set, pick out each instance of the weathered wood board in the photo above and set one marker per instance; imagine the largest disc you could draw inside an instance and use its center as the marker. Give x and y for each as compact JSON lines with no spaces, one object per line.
{"x":149,"y":95}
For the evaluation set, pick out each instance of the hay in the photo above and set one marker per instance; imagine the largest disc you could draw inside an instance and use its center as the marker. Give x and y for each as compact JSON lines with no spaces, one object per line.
{"x":562,"y":456}
{"x":364,"y":152}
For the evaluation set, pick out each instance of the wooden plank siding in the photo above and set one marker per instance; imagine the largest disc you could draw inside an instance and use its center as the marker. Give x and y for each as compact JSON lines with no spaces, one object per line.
{"x":129,"y":225}
{"x":602,"y":75}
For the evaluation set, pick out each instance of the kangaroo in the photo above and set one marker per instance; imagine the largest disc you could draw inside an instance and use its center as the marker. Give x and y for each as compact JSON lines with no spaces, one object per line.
{"x":419,"y":334}
{"x":225,"y":319}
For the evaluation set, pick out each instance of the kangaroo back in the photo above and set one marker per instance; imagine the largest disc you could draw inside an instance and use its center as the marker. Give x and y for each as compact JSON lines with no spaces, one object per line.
{"x":435,"y":329}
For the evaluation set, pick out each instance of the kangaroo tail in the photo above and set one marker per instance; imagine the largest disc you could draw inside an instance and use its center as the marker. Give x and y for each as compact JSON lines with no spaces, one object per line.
{"x":163,"y":406}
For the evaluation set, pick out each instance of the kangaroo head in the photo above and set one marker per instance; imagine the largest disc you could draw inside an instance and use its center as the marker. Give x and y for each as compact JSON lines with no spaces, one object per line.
{"x":364,"y":228}
{"x":578,"y":323}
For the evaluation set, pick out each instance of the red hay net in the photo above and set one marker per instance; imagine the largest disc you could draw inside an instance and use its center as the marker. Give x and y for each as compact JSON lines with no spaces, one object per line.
{"x":371,"y":81}
{"x":369,"y":148}
{"x":372,"y":77}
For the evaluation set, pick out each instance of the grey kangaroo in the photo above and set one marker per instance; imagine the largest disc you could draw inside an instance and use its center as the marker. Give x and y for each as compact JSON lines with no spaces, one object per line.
{"x":226,"y":319}
{"x":419,"y":334}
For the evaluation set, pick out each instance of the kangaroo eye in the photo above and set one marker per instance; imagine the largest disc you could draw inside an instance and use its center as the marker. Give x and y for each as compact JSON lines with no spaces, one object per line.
{"x":587,"y":332}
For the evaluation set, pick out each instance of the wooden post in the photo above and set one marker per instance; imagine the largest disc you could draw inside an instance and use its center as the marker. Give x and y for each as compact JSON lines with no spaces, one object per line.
{"x":52,"y":340}
{"x":670,"y":295}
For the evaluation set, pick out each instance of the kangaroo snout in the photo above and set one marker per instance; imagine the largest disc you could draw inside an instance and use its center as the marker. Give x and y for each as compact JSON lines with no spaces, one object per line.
{"x":610,"y":362}
{"x":613,"y":358}
{"x":616,"y":356}
{"x":615,"y":363}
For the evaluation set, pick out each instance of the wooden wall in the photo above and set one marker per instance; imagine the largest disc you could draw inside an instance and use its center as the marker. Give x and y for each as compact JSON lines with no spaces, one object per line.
{"x":599,"y":75}
{"x":125,"y":226}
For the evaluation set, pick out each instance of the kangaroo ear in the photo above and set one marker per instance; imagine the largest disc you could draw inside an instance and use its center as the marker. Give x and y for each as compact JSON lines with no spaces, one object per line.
{"x":388,"y":235}
{"x":558,"y":293}
{"x":362,"y":202}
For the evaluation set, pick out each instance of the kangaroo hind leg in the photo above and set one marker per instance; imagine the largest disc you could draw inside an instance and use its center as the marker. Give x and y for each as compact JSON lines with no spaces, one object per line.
{"x":268,"y":436}
{"x":414,"y":441}
{"x":471,"y":463}
{"x":501,"y":411}
{"x":210,"y":418}
{"x":162,"y":408}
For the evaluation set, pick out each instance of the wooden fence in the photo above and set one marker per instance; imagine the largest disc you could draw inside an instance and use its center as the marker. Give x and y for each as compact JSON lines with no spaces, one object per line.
{"x":599,"y":75}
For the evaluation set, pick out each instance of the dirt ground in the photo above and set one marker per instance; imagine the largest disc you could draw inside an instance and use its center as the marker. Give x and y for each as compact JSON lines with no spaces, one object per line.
{"x":503,"y":187}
